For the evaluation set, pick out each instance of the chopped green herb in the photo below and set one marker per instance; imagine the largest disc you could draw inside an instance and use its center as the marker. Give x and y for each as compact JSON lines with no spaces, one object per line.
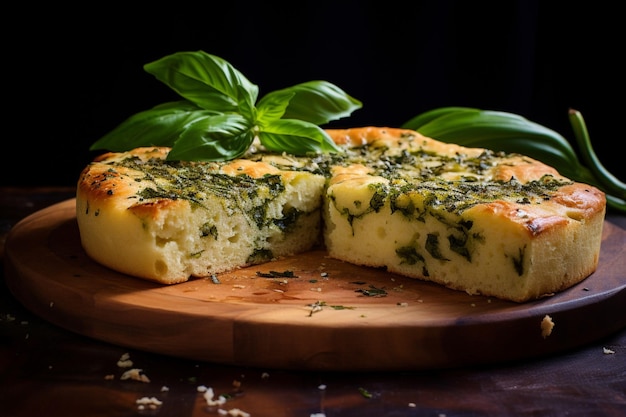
{"x":365,"y":393}
{"x":276,"y":274}
{"x":372,"y":292}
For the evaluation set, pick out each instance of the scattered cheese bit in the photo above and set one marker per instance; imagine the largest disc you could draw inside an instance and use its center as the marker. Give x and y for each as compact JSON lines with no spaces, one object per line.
{"x":318,"y":415}
{"x":322,"y":387}
{"x":607,"y":351}
{"x":109,"y":377}
{"x":265,"y":375}
{"x":412,"y":405}
{"x":164,"y":388}
{"x":403,"y":304}
{"x":546,"y":326}
{"x":135,"y":374}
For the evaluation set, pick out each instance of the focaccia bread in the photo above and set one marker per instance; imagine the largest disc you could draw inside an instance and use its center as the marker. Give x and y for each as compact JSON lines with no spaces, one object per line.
{"x":495,"y":224}
{"x":167,"y":222}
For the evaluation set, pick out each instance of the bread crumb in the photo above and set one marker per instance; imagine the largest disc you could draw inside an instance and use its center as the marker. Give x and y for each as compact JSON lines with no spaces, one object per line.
{"x":124,"y":361}
{"x":148,"y":402}
{"x":209,"y":395}
{"x":136,"y":375}
{"x":109,"y":377}
{"x":607,"y":351}
{"x":235,"y":412}
{"x":546,"y":326}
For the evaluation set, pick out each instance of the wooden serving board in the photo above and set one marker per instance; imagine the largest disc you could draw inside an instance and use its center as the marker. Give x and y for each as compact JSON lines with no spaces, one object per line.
{"x":251,"y":320}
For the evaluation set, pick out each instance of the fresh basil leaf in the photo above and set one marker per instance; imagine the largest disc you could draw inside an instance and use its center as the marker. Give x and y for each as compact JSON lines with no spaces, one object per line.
{"x":204,"y":79}
{"x":273,"y":106}
{"x":296,"y":137}
{"x":214,"y":138}
{"x":318,"y":102}
{"x":246,"y":106}
{"x":159,"y":126}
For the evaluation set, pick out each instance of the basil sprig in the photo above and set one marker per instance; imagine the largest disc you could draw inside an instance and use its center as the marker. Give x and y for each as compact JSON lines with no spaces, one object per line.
{"x":219,"y":115}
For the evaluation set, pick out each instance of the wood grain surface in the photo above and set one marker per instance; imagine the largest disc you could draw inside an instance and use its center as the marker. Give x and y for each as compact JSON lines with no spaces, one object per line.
{"x":329,"y":316}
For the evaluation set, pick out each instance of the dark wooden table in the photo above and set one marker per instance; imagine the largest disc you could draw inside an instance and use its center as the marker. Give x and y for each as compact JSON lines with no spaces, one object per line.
{"x":48,"y":371}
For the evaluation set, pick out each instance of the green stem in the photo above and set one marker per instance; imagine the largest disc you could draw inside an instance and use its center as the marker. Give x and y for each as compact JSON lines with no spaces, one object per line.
{"x":612,"y":184}
{"x":616,"y":204}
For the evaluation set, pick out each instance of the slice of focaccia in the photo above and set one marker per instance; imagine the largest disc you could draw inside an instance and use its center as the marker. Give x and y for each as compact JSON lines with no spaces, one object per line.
{"x":168,"y":221}
{"x":487,"y":223}
{"x":473,"y":220}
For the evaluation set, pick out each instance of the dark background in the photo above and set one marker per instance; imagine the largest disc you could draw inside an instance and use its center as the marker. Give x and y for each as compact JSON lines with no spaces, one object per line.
{"x":73,"y":74}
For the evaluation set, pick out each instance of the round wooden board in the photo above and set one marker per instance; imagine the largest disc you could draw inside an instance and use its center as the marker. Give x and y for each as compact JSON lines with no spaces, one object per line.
{"x":250,"y":320}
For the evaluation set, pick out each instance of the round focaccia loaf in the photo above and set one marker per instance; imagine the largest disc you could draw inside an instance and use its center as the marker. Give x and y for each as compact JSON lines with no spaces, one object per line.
{"x":166,"y":222}
{"x":499,"y":225}
{"x":495,"y":224}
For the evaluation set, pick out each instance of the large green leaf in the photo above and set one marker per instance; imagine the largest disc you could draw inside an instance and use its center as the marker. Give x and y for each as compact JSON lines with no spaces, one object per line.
{"x":273,"y":106}
{"x":296,"y":137}
{"x":214,"y":138}
{"x":317,"y":102}
{"x":159,"y":126}
{"x":204,"y":79}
